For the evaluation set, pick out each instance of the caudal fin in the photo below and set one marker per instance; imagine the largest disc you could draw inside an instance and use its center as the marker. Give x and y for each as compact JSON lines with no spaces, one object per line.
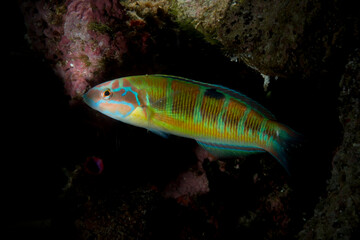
{"x":285,"y":144}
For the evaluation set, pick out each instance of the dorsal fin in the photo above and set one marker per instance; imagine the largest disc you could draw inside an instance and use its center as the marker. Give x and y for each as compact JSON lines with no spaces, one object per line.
{"x":241,"y":97}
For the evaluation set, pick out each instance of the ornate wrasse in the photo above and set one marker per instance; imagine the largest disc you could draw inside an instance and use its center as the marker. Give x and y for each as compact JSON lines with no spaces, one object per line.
{"x":224,"y":122}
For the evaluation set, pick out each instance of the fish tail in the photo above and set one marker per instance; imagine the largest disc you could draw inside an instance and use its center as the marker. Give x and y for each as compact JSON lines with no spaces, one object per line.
{"x":285,"y":144}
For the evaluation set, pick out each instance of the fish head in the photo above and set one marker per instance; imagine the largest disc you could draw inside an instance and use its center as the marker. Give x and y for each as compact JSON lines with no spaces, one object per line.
{"x":113,"y":99}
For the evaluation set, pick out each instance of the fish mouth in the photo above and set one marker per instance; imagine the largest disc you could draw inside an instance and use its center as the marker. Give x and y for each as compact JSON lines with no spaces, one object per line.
{"x":86,"y":98}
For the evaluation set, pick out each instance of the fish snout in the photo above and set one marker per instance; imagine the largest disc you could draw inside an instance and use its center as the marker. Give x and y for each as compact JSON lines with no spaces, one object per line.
{"x":91,"y":97}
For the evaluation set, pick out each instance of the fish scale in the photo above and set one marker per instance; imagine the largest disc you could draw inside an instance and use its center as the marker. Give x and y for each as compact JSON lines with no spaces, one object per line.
{"x":221,"y":120}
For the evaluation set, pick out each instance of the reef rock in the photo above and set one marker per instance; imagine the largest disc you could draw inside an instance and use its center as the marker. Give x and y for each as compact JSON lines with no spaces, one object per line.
{"x":77,"y":37}
{"x":338,"y":215}
{"x":271,"y":36}
{"x":83,"y":39}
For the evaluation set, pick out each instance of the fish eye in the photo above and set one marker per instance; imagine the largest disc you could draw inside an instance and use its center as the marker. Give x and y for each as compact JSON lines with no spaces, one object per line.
{"x":107,"y":94}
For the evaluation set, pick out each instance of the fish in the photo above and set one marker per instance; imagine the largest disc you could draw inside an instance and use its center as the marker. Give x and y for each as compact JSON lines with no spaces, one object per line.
{"x":223,"y":121}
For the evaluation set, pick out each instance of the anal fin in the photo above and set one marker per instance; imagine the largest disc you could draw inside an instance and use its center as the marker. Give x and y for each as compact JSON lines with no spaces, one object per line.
{"x":160,"y":133}
{"x":227,"y":150}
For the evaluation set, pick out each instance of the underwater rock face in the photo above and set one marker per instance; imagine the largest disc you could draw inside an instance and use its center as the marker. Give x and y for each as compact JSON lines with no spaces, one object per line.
{"x":265,"y":35}
{"x":338,"y":215}
{"x":83,"y":39}
{"x":77,"y":37}
{"x":271,"y":36}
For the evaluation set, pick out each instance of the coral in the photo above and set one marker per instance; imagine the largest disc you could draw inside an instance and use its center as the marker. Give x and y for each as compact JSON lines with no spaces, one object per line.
{"x":77,"y":37}
{"x":338,"y":215}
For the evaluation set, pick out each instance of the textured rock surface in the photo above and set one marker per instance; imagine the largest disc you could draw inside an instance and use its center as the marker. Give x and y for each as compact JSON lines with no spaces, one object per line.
{"x":272,"y":36}
{"x":82,"y":39}
{"x":337,"y":216}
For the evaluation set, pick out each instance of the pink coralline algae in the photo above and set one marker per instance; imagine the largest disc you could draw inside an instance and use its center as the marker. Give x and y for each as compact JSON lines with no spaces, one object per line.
{"x":77,"y":37}
{"x":190,"y":183}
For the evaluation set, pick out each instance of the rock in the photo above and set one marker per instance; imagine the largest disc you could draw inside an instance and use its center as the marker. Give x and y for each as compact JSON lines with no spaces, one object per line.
{"x":276,"y":38}
{"x":338,"y":215}
{"x":83,"y":40}
{"x":77,"y":37}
